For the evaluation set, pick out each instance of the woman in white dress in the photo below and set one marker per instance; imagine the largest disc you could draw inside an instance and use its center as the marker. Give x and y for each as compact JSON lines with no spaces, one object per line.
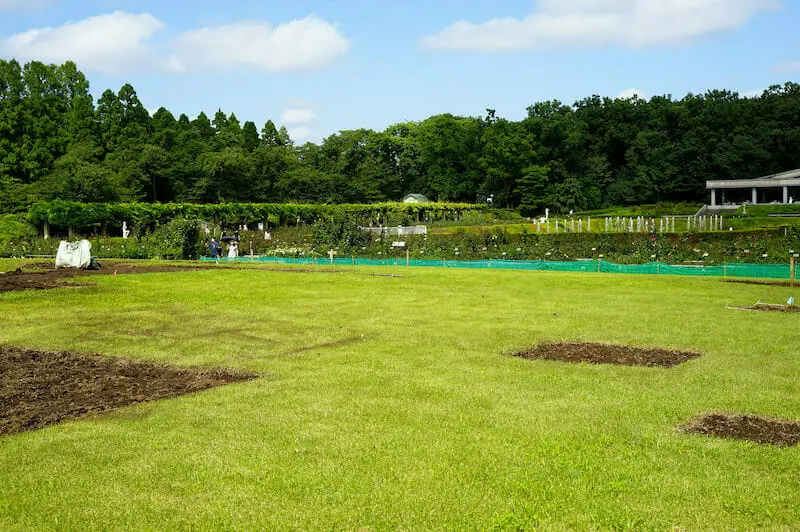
{"x":233,"y":250}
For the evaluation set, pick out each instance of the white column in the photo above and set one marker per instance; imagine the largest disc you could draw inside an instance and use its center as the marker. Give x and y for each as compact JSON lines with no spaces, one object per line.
{"x":786,"y":194}
{"x":755,"y":196}
{"x":713,"y":197}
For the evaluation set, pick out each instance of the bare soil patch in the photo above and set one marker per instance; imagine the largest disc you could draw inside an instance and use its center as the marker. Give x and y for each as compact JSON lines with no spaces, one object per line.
{"x":768,"y":307}
{"x":40,"y":388}
{"x":791,"y":284}
{"x":747,"y":427}
{"x":599,"y":353}
{"x":43,"y":276}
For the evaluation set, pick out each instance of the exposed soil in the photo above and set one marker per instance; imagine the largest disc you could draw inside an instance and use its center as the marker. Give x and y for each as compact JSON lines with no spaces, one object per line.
{"x":765,"y":307}
{"x":791,"y":284}
{"x":746,"y":427}
{"x":43,"y":276}
{"x":597,"y":353}
{"x":39,"y":388}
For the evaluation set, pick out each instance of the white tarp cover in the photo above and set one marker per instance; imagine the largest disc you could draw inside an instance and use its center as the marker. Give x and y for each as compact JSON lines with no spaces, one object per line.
{"x":74,"y":254}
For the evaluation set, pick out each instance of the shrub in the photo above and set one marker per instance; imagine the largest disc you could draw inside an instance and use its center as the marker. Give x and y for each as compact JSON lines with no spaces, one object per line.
{"x":178,"y":239}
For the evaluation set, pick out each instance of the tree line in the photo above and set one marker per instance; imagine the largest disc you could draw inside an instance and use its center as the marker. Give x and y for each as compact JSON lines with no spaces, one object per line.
{"x":57,"y":143}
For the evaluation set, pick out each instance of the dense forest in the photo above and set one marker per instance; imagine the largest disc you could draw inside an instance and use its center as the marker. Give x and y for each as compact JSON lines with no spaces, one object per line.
{"x":56,"y":142}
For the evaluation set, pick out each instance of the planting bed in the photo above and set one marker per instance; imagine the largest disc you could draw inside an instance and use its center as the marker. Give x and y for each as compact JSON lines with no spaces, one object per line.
{"x":598,"y":353}
{"x":744,"y":427}
{"x":39,"y":388}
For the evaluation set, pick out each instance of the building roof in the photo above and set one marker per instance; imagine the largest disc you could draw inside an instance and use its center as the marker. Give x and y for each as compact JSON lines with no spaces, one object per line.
{"x":783,"y":179}
{"x":419,"y":198}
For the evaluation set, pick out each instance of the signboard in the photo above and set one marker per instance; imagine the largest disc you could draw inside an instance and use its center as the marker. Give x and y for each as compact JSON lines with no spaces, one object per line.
{"x":398,"y":244}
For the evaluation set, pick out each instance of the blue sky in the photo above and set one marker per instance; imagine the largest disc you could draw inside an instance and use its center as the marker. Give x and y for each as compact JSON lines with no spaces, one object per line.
{"x":320,"y":66}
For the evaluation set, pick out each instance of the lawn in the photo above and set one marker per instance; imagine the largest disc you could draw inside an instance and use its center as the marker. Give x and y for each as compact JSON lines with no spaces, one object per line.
{"x":391,"y":402}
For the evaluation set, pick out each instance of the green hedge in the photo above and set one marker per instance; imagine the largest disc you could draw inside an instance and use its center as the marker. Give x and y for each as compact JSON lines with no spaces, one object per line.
{"x":179,"y":239}
{"x":94,"y":216}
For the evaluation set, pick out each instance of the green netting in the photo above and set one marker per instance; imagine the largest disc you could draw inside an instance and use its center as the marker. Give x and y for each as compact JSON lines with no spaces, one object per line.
{"x":756,"y":271}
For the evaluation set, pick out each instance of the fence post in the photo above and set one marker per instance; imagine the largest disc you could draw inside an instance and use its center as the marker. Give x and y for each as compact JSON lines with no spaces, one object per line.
{"x":724,"y":269}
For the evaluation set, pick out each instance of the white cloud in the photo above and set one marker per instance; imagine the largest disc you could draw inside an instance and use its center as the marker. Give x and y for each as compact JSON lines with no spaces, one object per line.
{"x":122,"y":42}
{"x":627,"y":94}
{"x":297,"y":45}
{"x":113,"y":43}
{"x":300,"y":122}
{"x":787,"y":66}
{"x":299,"y":134}
{"x":18,"y":5}
{"x":298,"y":116}
{"x":629,"y":23}
{"x":752,"y":94}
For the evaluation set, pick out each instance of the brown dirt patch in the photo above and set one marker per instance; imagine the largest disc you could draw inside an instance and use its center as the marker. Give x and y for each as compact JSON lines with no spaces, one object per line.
{"x":598,"y":353}
{"x":40,"y":388}
{"x":43,"y":276}
{"x":747,"y":427}
{"x":791,"y":284}
{"x":766,"y":307}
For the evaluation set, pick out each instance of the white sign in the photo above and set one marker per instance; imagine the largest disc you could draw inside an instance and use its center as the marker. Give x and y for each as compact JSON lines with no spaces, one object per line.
{"x":398,"y":244}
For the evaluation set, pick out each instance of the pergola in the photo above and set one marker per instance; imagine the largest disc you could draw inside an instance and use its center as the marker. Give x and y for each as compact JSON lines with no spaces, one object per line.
{"x":784,"y":181}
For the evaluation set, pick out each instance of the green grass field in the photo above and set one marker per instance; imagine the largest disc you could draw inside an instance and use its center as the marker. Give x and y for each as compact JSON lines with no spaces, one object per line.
{"x":391,"y":403}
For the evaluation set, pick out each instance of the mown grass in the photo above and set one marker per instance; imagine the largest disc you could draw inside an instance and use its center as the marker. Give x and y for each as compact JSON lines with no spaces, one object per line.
{"x":392,"y":403}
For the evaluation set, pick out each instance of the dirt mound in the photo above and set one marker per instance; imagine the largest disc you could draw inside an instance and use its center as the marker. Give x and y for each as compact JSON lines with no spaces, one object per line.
{"x":597,"y":353}
{"x":39,"y":388}
{"x":43,"y":276}
{"x":745,"y":427}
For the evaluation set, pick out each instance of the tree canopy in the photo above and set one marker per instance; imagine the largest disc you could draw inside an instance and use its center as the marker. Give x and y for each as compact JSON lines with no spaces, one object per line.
{"x":56,"y":142}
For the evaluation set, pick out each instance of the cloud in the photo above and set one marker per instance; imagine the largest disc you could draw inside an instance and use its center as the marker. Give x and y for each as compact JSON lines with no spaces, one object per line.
{"x":627,"y":23}
{"x":787,"y":66}
{"x":297,"y":45}
{"x":627,"y":94}
{"x":299,"y":134}
{"x":752,"y":94}
{"x":19,"y":5}
{"x":113,"y":43}
{"x":300,"y":122}
{"x":298,"y":116}
{"x":121,"y":42}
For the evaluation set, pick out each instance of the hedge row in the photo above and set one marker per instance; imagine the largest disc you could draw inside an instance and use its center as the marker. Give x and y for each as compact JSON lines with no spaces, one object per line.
{"x":82,"y":216}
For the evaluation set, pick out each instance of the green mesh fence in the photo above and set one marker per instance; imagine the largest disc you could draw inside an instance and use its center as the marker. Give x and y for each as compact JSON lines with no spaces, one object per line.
{"x":755,"y":271}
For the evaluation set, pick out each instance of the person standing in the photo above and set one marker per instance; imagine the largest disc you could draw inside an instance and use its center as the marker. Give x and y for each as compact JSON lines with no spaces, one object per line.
{"x":214,"y":248}
{"x":233,"y":250}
